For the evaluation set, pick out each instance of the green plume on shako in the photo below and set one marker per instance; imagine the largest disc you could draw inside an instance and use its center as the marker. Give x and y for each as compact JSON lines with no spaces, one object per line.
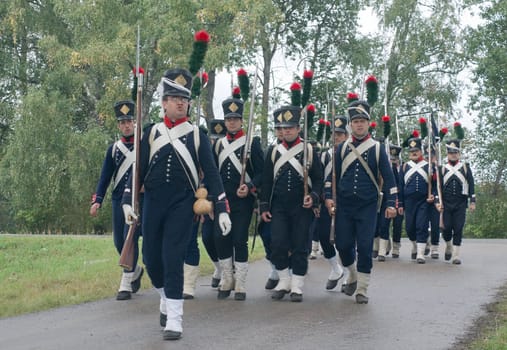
{"x":307,"y":87}
{"x":459,"y":131}
{"x":424,"y":127}
{"x":295,"y":94}
{"x":351,"y":97}
{"x":236,"y":92}
{"x":386,"y":121}
{"x":371,"y":90}
{"x":244,"y":84}
{"x":200,"y":46}
{"x":442,"y":133}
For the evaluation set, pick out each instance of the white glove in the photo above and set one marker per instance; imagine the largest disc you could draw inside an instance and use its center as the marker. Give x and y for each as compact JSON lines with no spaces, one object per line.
{"x":130,"y":215}
{"x":224,"y":222}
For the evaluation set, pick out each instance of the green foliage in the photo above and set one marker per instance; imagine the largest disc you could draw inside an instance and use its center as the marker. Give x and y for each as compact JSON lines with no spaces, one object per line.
{"x":490,"y":217}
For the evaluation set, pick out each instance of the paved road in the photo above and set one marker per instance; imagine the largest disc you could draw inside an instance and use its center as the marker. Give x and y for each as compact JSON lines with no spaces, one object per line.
{"x":411,"y":307}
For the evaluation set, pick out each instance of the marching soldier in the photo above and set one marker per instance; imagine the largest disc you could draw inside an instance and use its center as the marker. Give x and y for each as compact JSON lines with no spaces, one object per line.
{"x":283,"y":203}
{"x":359,"y":162}
{"x":415,"y":200}
{"x":324,"y":221}
{"x":172,"y":154}
{"x":398,"y":220}
{"x":264,"y":228}
{"x":117,"y":167}
{"x":192,"y":258}
{"x":228,"y":152}
{"x":217,"y":131}
{"x":435,"y":212}
{"x":457,"y":188}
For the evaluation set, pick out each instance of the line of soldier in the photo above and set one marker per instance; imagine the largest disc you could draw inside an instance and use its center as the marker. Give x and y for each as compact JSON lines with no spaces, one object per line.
{"x":176,"y":157}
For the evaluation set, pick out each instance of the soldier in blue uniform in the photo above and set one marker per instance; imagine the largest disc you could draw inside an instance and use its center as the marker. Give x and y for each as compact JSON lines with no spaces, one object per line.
{"x":217,"y":131}
{"x":192,"y":258}
{"x":283,"y":203}
{"x":415,"y":200}
{"x":359,"y":162}
{"x":435,"y":214}
{"x":457,"y":189}
{"x":324,"y":221}
{"x":173,"y":152}
{"x":229,"y":152}
{"x":117,"y":167}
{"x":385,"y":223}
{"x":264,"y":228}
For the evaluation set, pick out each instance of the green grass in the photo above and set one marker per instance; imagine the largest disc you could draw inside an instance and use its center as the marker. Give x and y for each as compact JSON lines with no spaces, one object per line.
{"x":493,"y":333}
{"x":44,"y":272}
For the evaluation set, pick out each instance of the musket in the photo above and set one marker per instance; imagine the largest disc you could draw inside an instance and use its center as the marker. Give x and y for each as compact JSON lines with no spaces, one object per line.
{"x":127,"y":252}
{"x":333,"y":177}
{"x":305,"y":150}
{"x":249,"y":132}
{"x":430,"y":165}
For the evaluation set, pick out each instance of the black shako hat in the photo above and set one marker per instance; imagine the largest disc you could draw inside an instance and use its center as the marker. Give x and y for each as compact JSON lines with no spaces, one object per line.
{"x":359,"y":109}
{"x":287,"y":116}
{"x":124,"y":110}
{"x":217,"y":128}
{"x":233,"y":108}
{"x":177,"y":82}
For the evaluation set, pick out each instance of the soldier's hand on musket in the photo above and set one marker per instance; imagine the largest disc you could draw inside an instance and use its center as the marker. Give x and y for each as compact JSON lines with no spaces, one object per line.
{"x":330,"y":206}
{"x":130,"y":215}
{"x":266,"y":216}
{"x":307,"y":201}
{"x":472,"y":207}
{"x":390,"y":212}
{"x":94,"y":209}
{"x":439,"y":207}
{"x":430,"y":199}
{"x":242,"y":191}
{"x":400,"y":211}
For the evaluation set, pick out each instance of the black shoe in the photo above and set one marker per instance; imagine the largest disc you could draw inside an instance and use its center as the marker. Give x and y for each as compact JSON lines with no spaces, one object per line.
{"x":413,"y":256}
{"x":187,"y":296}
{"x":215,"y":282}
{"x":223,"y":294}
{"x":361,"y":299}
{"x":279,"y":294}
{"x":296,"y":297}
{"x":396,"y":256}
{"x":349,"y":288}
{"x":163,"y":319}
{"x":271,"y":284}
{"x":172,"y":335}
{"x":136,"y":284}
{"x":426,"y":251}
{"x":434,"y":255}
{"x":239,"y":296}
{"x":381,"y":258}
{"x":331,"y":284}
{"x":421,"y":261}
{"x":123,"y":295}
{"x":447,"y":256}
{"x":374,"y":254}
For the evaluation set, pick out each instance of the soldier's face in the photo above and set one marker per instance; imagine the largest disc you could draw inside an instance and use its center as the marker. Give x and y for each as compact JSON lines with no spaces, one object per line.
{"x":415,"y":155}
{"x":126,"y":127}
{"x":339,"y":137}
{"x":453,"y":156}
{"x":175,"y":107}
{"x":291,"y":133}
{"x":233,"y":124}
{"x":359,"y":127}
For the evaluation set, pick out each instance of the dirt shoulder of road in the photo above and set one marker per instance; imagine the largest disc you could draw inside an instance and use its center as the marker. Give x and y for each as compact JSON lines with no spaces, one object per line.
{"x":484,"y":327}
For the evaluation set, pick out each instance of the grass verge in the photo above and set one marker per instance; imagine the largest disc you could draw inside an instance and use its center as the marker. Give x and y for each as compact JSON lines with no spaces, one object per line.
{"x":44,"y":272}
